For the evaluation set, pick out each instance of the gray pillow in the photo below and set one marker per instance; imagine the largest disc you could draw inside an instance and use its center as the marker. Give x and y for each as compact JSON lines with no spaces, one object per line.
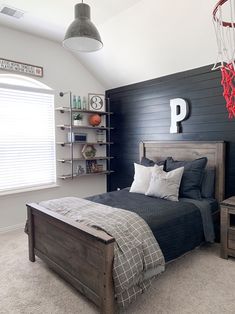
{"x":165,"y":184}
{"x":150,"y":163}
{"x":208,"y":183}
{"x":192,"y":178}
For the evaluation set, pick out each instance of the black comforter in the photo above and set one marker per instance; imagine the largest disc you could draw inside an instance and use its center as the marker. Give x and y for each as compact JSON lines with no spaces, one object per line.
{"x":177,"y":226}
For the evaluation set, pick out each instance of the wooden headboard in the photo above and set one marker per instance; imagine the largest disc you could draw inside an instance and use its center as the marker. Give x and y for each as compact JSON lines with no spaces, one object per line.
{"x":189,"y":150}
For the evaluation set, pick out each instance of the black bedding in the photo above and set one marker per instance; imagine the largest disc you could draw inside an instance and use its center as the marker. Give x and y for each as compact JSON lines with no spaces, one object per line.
{"x":177,"y":226}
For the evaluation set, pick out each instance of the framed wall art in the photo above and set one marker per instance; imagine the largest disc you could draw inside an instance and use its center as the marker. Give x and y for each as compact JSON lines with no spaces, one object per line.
{"x":96,"y":102}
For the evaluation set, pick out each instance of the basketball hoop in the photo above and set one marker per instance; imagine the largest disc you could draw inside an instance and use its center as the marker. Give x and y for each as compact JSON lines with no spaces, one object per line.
{"x":224,"y":24}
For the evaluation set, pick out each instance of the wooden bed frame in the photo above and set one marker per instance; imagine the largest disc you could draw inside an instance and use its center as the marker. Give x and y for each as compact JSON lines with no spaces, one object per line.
{"x":83,"y":256}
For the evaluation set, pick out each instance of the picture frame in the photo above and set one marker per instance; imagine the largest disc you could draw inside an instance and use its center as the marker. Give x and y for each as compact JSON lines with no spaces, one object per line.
{"x":77,"y":137}
{"x":80,"y":137}
{"x":96,"y":102}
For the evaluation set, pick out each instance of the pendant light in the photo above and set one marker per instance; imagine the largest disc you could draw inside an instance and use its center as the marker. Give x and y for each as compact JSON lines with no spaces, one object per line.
{"x":82,"y":35}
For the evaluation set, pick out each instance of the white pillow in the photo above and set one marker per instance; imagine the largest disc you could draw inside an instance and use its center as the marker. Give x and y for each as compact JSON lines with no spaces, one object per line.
{"x":142,"y":178}
{"x":165,"y":184}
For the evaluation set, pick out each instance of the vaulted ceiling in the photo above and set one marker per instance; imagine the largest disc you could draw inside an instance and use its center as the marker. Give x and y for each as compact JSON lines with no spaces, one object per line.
{"x":143,"y":39}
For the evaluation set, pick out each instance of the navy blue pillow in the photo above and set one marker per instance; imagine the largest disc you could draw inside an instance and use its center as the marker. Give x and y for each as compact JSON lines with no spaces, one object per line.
{"x":190,"y":186}
{"x":208,"y":183}
{"x":150,"y":163}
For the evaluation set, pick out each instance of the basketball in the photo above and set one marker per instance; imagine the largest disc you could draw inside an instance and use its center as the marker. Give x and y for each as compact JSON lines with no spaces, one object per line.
{"x":94,"y":119}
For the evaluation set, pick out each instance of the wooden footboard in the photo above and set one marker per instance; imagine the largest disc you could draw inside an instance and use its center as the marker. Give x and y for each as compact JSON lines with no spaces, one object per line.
{"x":83,"y":256}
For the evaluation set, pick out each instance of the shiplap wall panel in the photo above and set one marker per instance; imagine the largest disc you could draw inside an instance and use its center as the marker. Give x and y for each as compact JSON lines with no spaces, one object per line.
{"x":142,"y":112}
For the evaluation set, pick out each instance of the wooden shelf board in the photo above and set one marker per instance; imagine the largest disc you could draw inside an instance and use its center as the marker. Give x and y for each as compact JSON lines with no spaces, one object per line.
{"x":89,"y":143}
{"x":65,"y":126}
{"x":68,"y":109}
{"x":83,"y":159}
{"x":69,"y":176}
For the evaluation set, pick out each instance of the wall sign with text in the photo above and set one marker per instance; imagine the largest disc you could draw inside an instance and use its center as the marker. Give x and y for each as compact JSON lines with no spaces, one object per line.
{"x":24,"y":68}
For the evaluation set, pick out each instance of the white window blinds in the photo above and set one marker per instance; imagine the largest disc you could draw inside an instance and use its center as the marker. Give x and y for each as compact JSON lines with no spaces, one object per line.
{"x":27,"y":140}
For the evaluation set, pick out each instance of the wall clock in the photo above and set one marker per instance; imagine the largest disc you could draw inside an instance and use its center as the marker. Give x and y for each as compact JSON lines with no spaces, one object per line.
{"x":96,"y":102}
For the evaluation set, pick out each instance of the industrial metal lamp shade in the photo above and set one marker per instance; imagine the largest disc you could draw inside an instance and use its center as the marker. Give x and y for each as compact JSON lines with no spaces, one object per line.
{"x":82,"y":35}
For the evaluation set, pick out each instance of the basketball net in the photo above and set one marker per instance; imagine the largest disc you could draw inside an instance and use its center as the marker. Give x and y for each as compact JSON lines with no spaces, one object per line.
{"x":224,"y":24}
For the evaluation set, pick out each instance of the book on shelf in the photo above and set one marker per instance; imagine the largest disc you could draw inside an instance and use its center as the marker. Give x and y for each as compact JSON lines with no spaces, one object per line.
{"x":92,"y":166}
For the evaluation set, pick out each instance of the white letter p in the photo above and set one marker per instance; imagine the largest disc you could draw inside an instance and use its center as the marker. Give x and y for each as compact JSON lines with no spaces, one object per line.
{"x":179,"y":111}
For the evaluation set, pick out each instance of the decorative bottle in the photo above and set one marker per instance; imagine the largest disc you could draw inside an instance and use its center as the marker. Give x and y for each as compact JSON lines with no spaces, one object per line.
{"x":84,"y":107}
{"x":74,"y":102}
{"x":79,"y":102}
{"x":100,"y":136}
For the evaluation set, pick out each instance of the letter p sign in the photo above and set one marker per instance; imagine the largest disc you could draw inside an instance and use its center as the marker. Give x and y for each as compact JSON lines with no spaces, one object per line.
{"x":179,"y":111}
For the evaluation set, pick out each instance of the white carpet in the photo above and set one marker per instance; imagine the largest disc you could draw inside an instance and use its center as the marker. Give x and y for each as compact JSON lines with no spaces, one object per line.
{"x":199,"y":283}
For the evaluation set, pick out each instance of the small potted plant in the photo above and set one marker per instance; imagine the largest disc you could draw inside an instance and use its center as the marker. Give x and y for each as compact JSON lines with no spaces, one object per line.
{"x":77,"y":119}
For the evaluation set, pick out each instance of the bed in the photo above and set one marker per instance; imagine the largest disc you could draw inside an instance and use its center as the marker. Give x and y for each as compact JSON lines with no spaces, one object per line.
{"x":166,"y":219}
{"x":83,"y":256}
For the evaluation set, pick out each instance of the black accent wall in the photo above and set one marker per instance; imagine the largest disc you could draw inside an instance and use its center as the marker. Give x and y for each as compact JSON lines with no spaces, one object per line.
{"x":142,"y":112}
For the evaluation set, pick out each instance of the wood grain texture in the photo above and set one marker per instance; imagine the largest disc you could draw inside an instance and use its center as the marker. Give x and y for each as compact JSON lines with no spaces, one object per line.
{"x":142,"y":113}
{"x":81,"y":255}
{"x":190,"y":150}
{"x":224,"y":232}
{"x":107,"y":305}
{"x":227,"y":247}
{"x":230,"y":202}
{"x":30,"y":221}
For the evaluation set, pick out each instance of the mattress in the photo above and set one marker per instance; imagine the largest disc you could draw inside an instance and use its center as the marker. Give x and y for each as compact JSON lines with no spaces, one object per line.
{"x":177,"y":226}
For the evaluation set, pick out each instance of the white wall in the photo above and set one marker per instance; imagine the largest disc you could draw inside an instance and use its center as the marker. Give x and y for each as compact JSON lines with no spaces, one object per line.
{"x":152,"y":39}
{"x":62,"y":72}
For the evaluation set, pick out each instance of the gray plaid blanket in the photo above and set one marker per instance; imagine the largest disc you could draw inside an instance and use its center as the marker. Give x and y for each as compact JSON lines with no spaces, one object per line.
{"x":137,"y":255}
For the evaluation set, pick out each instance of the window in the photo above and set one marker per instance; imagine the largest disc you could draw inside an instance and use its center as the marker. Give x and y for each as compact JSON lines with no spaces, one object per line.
{"x":27,"y":135}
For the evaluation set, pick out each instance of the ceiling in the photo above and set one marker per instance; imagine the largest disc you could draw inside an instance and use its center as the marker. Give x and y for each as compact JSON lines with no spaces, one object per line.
{"x":50,"y":18}
{"x":143,"y":39}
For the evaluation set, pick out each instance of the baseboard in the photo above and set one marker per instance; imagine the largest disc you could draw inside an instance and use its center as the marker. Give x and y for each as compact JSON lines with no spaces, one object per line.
{"x":12,"y":228}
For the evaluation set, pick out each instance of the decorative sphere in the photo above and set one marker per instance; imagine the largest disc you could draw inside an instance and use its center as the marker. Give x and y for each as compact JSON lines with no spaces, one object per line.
{"x":94,"y":119}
